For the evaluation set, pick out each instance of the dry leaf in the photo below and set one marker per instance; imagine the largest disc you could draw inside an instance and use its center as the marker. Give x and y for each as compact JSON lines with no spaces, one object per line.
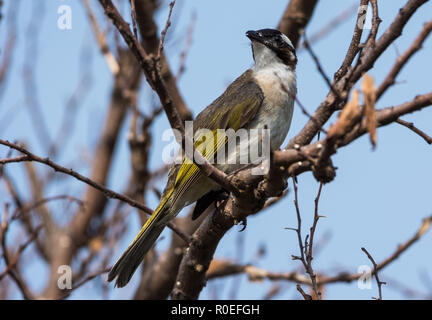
{"x":368,"y":88}
{"x":346,"y":117}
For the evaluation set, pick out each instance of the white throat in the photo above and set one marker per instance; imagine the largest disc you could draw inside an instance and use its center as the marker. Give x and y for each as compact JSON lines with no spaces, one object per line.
{"x":269,"y":68}
{"x":264,"y":56}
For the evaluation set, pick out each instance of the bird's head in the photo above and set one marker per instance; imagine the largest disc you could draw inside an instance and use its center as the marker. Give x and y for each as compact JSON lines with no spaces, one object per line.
{"x":269,"y":45}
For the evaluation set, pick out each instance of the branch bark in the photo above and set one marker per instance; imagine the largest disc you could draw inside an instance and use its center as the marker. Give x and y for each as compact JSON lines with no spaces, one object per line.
{"x":295,"y":18}
{"x":145,"y":10}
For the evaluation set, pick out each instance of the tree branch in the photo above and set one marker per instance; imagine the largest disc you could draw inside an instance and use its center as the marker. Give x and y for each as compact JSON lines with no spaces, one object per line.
{"x":295,"y":18}
{"x":403,"y":59}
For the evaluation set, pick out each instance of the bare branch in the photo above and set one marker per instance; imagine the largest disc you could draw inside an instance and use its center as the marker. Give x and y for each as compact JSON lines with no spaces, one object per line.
{"x":133,"y":16}
{"x":306,"y":247}
{"x":145,"y":10}
{"x":331,"y":26}
{"x":376,"y":20}
{"x":107,"y":192}
{"x":304,"y":294}
{"x":295,"y":18}
{"x":164,"y":31}
{"x":375,"y":272}
{"x":14,"y":159}
{"x":344,"y":80}
{"x":355,"y":41}
{"x":188,"y":44}
{"x":257,"y":274}
{"x":319,"y":66}
{"x":412,"y":127}
{"x":403,"y":59}
{"x":101,"y":40}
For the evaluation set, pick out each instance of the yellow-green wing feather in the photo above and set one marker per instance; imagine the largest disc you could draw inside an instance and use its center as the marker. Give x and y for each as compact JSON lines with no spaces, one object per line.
{"x":232,"y":110}
{"x":189,"y":172}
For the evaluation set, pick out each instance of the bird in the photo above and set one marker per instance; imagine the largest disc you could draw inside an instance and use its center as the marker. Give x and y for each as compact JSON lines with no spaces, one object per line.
{"x":260,"y":98}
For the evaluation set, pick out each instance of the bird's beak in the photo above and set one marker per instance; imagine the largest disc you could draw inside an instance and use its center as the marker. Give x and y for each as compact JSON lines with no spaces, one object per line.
{"x":254,"y":36}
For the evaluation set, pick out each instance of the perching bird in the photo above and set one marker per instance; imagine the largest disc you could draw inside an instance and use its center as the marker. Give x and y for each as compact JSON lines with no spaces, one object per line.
{"x":261,"y":98}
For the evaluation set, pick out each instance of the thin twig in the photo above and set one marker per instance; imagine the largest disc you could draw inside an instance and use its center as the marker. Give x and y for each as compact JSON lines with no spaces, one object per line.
{"x":19,"y":211}
{"x":412,"y":127}
{"x":402,"y":60}
{"x":306,"y":248}
{"x":304,"y":294}
{"x":376,"y":20}
{"x":101,"y":40}
{"x":133,"y":17}
{"x":375,"y":272}
{"x":188,"y":44}
{"x":354,"y":45}
{"x":330,"y":26}
{"x":165,"y":30}
{"x":314,"y":225}
{"x":107,"y":192}
{"x":12,"y":262}
{"x":320,"y":67}
{"x":14,"y":159}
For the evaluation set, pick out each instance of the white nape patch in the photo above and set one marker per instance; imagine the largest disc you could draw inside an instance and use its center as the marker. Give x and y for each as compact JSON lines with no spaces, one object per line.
{"x":287,"y":40}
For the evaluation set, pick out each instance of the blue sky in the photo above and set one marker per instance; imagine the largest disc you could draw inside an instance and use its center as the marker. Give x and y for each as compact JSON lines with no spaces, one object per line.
{"x":376,"y":201}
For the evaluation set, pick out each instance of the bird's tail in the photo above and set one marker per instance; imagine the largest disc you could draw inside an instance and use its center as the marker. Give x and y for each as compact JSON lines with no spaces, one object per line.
{"x":125,"y":267}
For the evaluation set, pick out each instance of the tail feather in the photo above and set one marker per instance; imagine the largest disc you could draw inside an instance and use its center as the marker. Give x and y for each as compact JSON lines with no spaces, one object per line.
{"x":125,"y":267}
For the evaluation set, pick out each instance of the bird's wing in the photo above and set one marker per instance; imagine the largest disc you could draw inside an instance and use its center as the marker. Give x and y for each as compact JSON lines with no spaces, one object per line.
{"x":234,"y":109}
